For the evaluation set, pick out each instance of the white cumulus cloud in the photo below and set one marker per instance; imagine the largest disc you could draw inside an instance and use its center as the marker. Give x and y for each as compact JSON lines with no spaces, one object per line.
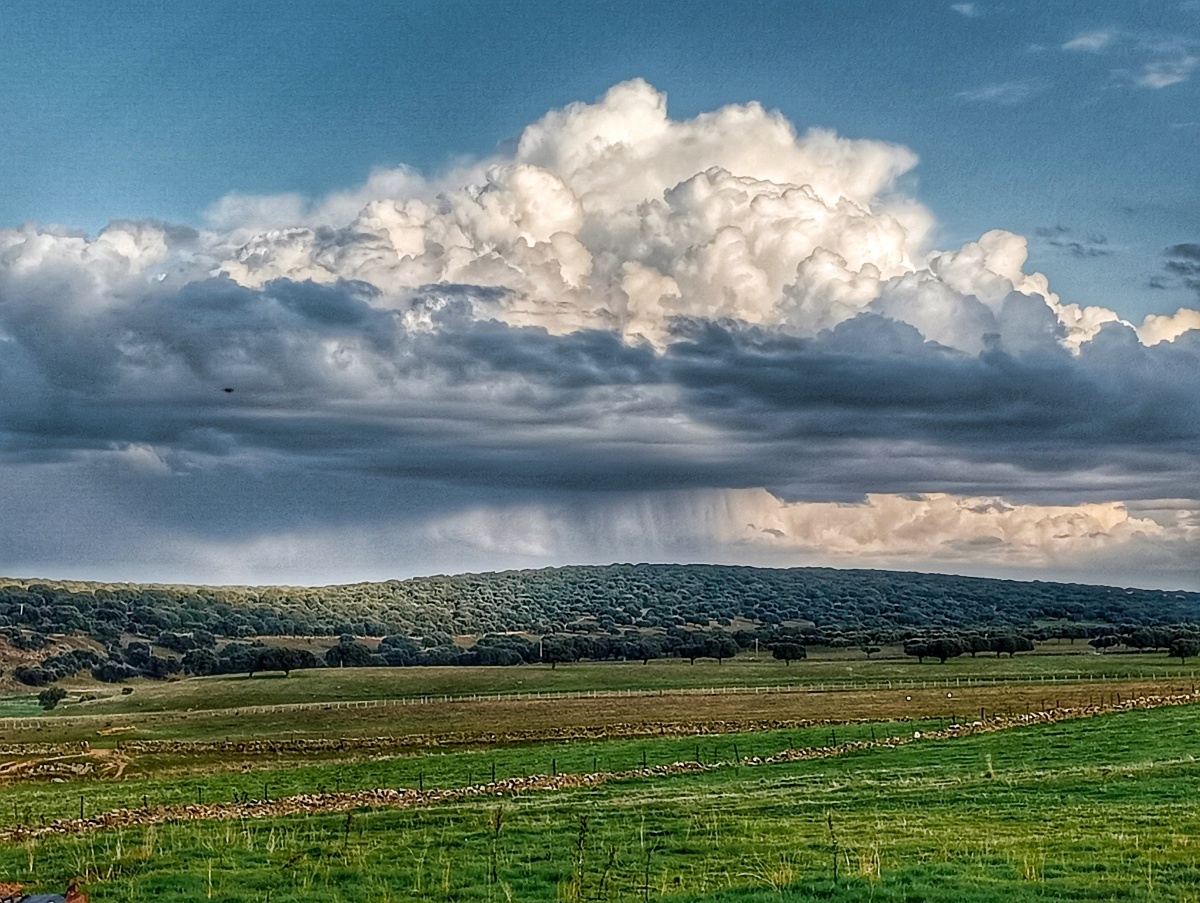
{"x":677,"y":309}
{"x":612,"y":215}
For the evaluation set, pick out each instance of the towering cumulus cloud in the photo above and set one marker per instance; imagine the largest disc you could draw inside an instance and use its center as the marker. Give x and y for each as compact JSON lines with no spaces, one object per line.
{"x":612,"y":216}
{"x":633,"y":336}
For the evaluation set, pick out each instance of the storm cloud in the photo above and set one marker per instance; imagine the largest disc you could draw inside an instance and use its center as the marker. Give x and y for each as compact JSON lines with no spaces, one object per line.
{"x":682,"y":328}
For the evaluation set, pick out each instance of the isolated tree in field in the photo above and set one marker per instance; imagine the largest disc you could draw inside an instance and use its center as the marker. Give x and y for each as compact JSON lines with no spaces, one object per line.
{"x":1103,"y":642}
{"x":1011,"y":645}
{"x":1183,"y":647}
{"x":52,"y":696}
{"x":722,"y":646}
{"x":644,"y":648}
{"x":348,"y":652}
{"x":917,"y":648}
{"x":868,"y":651}
{"x":260,"y":661}
{"x":789,"y":652}
{"x":692,"y":646}
{"x":707,"y":645}
{"x":945,"y":647}
{"x":977,"y":643}
{"x":555,"y":650}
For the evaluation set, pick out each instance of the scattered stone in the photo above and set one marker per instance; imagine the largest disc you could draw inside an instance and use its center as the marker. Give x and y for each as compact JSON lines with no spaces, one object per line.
{"x":390,"y":797}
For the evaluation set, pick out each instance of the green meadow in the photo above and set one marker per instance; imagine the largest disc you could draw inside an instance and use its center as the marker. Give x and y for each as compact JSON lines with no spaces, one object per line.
{"x":1103,"y":808}
{"x":327,"y":685}
{"x":166,"y":779}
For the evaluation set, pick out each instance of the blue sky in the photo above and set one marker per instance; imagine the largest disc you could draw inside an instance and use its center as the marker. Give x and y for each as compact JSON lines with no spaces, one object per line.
{"x":314,"y":292}
{"x":151,"y":109}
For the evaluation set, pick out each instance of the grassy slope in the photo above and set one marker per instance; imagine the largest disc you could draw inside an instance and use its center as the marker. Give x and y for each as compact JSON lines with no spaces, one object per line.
{"x":1102,"y":809}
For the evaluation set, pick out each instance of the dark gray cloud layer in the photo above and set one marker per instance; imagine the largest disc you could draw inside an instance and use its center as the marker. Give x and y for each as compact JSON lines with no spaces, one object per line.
{"x":713,"y":333}
{"x":323,"y":377}
{"x":1083,"y":247}
{"x":1183,"y":264}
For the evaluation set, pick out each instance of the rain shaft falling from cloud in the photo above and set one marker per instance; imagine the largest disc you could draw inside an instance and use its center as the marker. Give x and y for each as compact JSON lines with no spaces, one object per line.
{"x":626,"y":305}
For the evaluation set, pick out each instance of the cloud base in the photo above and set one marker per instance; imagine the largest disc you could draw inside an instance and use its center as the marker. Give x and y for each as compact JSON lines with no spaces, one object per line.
{"x":717,"y":336}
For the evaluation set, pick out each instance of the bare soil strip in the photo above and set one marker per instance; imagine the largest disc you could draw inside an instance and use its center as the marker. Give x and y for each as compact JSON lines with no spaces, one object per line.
{"x":324,"y":803}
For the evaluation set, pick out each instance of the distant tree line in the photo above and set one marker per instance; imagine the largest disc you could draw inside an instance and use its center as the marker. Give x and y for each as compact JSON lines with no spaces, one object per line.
{"x":491,"y":650}
{"x":138,"y":658}
{"x":948,"y":646}
{"x":563,"y":615}
{"x":593,"y":600}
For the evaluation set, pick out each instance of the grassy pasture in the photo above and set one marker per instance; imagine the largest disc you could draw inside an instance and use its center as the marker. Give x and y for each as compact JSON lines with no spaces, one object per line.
{"x":20,"y":706}
{"x":475,"y":721}
{"x":1096,"y":809}
{"x":340,"y":685}
{"x":231,"y":706}
{"x":163,"y":780}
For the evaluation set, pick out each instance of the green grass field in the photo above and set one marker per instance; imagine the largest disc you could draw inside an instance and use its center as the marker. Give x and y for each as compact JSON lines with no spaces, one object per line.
{"x":168,"y":780}
{"x":238,"y":707}
{"x":1099,"y":809}
{"x":1105,"y":808}
{"x":334,"y":685}
{"x":20,"y":706}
